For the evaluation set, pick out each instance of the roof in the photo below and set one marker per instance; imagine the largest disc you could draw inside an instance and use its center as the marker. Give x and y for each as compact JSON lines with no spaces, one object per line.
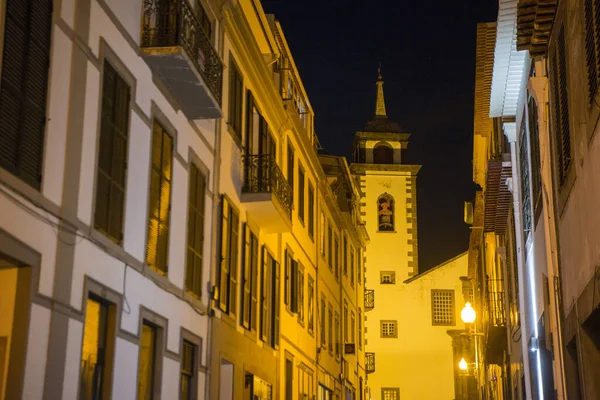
{"x":383,"y":124}
{"x":436,"y":267}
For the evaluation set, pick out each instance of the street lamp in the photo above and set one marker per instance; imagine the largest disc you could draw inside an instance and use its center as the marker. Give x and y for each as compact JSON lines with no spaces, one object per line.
{"x":468,"y":314}
{"x":463,"y":364}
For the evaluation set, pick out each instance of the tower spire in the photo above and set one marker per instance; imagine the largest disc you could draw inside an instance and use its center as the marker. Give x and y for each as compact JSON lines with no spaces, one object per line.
{"x":380,"y":105}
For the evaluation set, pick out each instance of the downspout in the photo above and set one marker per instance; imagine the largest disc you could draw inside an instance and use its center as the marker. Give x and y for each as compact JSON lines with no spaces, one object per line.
{"x":538,"y":87}
{"x":510,"y":131}
{"x":215,"y":222}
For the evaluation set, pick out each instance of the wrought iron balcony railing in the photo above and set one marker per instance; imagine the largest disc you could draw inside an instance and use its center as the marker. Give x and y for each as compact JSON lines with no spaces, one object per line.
{"x":170,"y":23}
{"x":262,"y":175}
{"x":370,"y":363}
{"x":369,"y":299}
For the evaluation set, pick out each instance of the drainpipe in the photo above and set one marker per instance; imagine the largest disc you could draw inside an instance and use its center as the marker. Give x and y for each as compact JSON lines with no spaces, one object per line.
{"x":510,"y":131}
{"x":538,"y":88}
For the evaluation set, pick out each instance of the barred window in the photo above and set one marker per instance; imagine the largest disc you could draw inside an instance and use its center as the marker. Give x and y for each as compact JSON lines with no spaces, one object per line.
{"x":112,"y":155}
{"x":389,"y":329}
{"x":160,"y":199}
{"x":442,"y":305}
{"x":196,"y":196}
{"x":23,"y":88}
{"x":390,"y":393}
{"x":387,"y":277}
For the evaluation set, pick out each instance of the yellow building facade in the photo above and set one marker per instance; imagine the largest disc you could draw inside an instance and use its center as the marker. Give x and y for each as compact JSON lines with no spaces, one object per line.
{"x":411,"y":317}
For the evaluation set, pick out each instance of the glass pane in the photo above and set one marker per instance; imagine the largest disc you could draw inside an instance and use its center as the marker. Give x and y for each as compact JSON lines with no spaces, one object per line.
{"x":90,"y":367}
{"x":154,"y":194}
{"x":152,"y":242}
{"x":165,"y":199}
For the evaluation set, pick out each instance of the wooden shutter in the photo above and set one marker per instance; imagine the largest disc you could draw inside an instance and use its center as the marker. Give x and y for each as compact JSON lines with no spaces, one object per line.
{"x":592,"y":45}
{"x":286,"y":283}
{"x":294,"y":281}
{"x":24,"y":86}
{"x":264,"y":295}
{"x":276,"y":302}
{"x":224,"y":265}
{"x":233,"y":259}
{"x":246,"y":260}
{"x":253,"y":279}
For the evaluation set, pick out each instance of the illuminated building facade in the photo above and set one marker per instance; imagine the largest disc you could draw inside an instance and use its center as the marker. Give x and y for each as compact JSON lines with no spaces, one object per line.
{"x":410,"y":317}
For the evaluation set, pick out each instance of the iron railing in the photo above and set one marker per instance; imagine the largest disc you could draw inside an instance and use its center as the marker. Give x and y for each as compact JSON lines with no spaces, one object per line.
{"x":370,"y":363}
{"x":496,"y":305}
{"x":369,"y":299}
{"x":168,"y":23}
{"x":262,"y":175}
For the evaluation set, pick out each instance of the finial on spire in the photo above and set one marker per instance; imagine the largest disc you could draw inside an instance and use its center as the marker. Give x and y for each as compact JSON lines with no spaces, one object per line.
{"x":380,"y":105}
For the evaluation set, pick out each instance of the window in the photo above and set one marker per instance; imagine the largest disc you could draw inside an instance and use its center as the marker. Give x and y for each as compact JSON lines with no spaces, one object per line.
{"x":188,"y":384}
{"x":351,"y":266}
{"x":289,"y":379}
{"x":249,"y":277}
{"x":204,"y":20}
{"x":23,"y":88}
{"x":330,"y":319}
{"x":300,"y":301}
{"x":345,"y":321}
{"x":534,"y":140}
{"x":112,"y":155}
{"x":236,"y":95}
{"x":352,"y":327}
{"x":323,"y":327}
{"x":383,"y":154}
{"x":97,"y":349}
{"x":442,"y":307}
{"x":290,"y":296}
{"x":390,"y":394}
{"x":385,"y":211}
{"x":560,"y":107}
{"x":389,"y":329}
{"x":360,"y":328}
{"x":592,"y":45}
{"x":270,"y":299}
{"x":337,"y":336}
{"x":159,"y":203}
{"x":305,"y":382}
{"x":345,"y":255}
{"x":229,"y":256}
{"x":358,"y":267}
{"x":258,"y":389}
{"x":147,"y":362}
{"x":524,"y":169}
{"x":301,"y":183}
{"x":311,"y":211}
{"x":387,"y":277}
{"x":290,"y":168}
{"x":311,"y":299}
{"x":336,"y":255}
{"x":330,"y":247}
{"x":195,"y":245}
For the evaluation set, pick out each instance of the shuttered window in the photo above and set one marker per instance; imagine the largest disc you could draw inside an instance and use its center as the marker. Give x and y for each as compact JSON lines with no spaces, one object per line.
{"x":112,"y":155}
{"x":249,"y":278}
{"x":270,"y":299}
{"x":229,"y":257}
{"x":534,"y":140}
{"x":301,"y":183}
{"x":159,"y":204}
{"x":560,"y":108}
{"x":276,"y":301}
{"x":311,"y":211}
{"x":23,"y":88}
{"x":236,"y":94}
{"x":196,"y":202}
{"x":525,"y":187}
{"x":592,"y":45}
{"x":188,"y":371}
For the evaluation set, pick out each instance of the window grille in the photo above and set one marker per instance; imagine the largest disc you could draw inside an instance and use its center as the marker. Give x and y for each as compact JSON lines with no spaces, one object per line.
{"x":443,"y":307}
{"x":389,"y":329}
{"x":390,"y":393}
{"x":388,"y":277}
{"x":592,"y":45}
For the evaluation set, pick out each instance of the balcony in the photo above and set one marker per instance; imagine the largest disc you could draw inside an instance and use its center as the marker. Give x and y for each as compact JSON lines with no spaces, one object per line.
{"x":369,"y":363}
{"x":266,"y":193}
{"x":369,"y":299}
{"x":496,"y":342}
{"x":180,"y":54}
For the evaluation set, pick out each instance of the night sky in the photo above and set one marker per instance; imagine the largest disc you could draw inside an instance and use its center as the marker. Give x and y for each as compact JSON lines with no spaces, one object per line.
{"x":427,"y":52}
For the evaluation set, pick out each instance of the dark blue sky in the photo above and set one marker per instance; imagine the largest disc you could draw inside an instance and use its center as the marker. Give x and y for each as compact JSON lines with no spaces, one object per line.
{"x":427,"y":51}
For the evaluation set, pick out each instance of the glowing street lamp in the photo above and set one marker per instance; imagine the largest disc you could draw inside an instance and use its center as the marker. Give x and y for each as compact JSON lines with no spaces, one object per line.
{"x":468,"y":314}
{"x":463,"y":364}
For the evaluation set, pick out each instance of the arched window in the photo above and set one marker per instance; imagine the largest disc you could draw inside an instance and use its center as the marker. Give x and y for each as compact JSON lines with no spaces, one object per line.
{"x":385,"y":213}
{"x":383,"y":154}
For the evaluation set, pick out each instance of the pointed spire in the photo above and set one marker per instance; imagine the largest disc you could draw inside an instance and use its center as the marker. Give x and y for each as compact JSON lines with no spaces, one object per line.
{"x":380,"y":106}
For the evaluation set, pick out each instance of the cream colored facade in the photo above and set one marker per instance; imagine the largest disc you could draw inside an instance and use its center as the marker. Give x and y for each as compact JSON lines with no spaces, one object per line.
{"x":286,"y":215}
{"x":411,"y":316}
